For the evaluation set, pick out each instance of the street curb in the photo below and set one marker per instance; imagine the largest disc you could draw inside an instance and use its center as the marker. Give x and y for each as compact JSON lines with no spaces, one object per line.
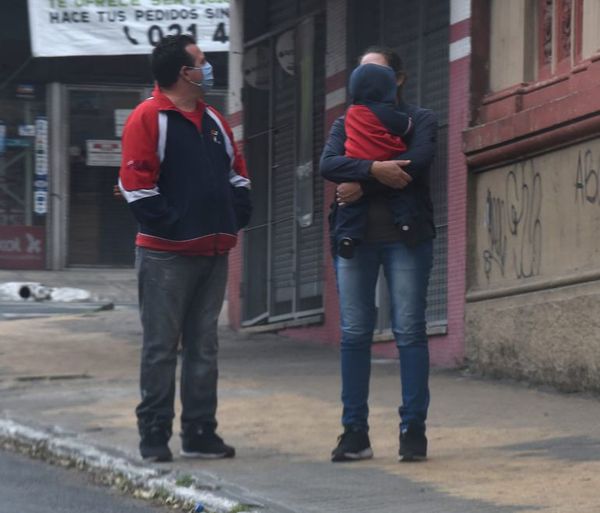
{"x":155,"y":483}
{"x":51,"y":309}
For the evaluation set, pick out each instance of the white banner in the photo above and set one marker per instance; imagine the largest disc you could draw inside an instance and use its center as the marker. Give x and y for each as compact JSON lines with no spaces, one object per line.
{"x":61,"y":28}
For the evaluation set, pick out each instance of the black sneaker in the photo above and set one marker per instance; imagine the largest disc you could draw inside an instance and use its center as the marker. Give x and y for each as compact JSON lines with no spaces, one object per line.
{"x":154,"y":445}
{"x":353,"y":445}
{"x":346,"y":247}
{"x":204,"y":443}
{"x":413,"y":444}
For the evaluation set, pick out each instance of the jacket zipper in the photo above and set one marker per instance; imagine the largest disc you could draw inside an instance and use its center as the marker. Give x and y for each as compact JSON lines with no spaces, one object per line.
{"x":214,"y":181}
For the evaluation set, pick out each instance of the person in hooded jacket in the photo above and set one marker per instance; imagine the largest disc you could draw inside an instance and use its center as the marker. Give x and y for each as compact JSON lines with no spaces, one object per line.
{"x":375,"y":129}
{"x":406,"y":257}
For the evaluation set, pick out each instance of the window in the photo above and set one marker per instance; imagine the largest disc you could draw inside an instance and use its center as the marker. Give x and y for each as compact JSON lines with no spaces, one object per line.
{"x":559,"y":32}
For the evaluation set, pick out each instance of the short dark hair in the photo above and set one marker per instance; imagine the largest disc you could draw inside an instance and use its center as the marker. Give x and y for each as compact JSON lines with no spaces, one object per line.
{"x":169,"y":56}
{"x":393,"y":59}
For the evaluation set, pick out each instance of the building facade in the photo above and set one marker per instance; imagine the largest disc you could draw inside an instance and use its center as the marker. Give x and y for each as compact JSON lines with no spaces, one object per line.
{"x":533,"y":151}
{"x":515,"y":183}
{"x":60,"y":126}
{"x":287,"y":86}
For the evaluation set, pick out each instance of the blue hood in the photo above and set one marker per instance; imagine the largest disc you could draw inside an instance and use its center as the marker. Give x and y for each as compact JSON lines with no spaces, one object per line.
{"x":372,"y":83}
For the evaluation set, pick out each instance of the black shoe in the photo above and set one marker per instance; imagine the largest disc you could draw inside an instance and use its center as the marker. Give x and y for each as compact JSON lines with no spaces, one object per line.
{"x":204,"y":443}
{"x":353,"y":445}
{"x":154,"y":444}
{"x":346,"y":247}
{"x":413,"y":444}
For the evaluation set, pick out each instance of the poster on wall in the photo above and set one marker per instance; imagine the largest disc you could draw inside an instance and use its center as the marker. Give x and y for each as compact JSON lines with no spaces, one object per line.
{"x":256,"y":67}
{"x":40,"y":184}
{"x":285,"y":51}
{"x":62,"y":28}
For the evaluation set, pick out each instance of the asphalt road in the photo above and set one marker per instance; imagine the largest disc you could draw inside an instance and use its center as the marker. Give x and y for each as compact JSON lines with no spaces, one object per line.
{"x":31,"y":486}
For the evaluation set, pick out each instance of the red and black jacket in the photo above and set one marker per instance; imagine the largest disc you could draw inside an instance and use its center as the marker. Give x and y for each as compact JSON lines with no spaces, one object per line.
{"x":187,"y":185}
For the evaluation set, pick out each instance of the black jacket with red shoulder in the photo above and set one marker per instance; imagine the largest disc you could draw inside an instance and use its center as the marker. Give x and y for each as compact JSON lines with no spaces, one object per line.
{"x":186,"y":184}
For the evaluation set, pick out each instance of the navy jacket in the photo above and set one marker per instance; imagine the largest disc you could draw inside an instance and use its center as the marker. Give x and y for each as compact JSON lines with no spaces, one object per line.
{"x":422,"y":144}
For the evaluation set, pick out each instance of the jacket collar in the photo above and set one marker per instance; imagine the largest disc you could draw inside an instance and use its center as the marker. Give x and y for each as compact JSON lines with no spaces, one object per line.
{"x":164,"y":103}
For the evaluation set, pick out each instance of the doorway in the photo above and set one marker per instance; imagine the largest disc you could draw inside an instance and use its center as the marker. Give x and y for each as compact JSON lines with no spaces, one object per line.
{"x":101,"y":229}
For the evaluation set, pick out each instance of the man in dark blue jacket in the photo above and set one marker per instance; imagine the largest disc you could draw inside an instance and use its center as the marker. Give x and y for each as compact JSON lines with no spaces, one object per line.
{"x":187,"y":185}
{"x":406,"y":258}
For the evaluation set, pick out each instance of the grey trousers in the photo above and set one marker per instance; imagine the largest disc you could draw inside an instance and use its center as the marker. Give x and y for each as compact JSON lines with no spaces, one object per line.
{"x":180,"y":300}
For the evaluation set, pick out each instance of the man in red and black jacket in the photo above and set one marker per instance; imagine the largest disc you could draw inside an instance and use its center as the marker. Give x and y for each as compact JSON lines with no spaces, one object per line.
{"x":188,"y":187}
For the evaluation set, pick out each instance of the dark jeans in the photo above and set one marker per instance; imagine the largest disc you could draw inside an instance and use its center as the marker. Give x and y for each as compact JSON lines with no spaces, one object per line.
{"x":407,"y":271}
{"x":180,"y":301}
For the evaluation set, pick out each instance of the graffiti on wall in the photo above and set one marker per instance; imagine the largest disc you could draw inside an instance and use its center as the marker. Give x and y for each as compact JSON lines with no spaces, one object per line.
{"x":495,"y":221}
{"x":587,"y":187}
{"x":514,"y":228}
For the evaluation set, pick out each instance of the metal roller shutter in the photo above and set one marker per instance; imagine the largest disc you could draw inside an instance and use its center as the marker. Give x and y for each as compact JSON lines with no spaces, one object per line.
{"x":282,"y":200}
{"x":294,"y":252}
{"x":256,"y":149}
{"x":418,"y":30}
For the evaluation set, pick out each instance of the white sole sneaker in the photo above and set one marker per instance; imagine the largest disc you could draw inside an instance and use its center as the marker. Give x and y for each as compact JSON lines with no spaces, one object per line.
{"x":365,"y":454}
{"x":205,"y":456}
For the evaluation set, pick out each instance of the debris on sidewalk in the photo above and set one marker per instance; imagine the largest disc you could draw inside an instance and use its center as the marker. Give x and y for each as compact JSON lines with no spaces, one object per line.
{"x":33,"y":291}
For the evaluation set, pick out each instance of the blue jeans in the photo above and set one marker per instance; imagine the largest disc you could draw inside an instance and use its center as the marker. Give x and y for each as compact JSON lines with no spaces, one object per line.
{"x":407,"y":271}
{"x":180,"y":301}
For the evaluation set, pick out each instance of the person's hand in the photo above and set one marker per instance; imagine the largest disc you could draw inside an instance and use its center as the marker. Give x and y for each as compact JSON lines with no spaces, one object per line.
{"x":117,"y":192}
{"x":348,"y":192}
{"x":390,"y":173}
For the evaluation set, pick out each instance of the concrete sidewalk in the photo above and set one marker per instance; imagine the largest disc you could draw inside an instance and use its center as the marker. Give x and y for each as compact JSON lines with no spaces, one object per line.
{"x":494,"y":447}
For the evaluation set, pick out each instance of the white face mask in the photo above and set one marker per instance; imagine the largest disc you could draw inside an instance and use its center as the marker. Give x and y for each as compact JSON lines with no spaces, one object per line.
{"x":207,"y":77}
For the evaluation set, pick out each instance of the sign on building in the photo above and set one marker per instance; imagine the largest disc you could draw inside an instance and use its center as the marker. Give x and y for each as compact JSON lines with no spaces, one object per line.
{"x":103,"y":153}
{"x":61,"y":28}
{"x":22,"y":247}
{"x":40,"y":184}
